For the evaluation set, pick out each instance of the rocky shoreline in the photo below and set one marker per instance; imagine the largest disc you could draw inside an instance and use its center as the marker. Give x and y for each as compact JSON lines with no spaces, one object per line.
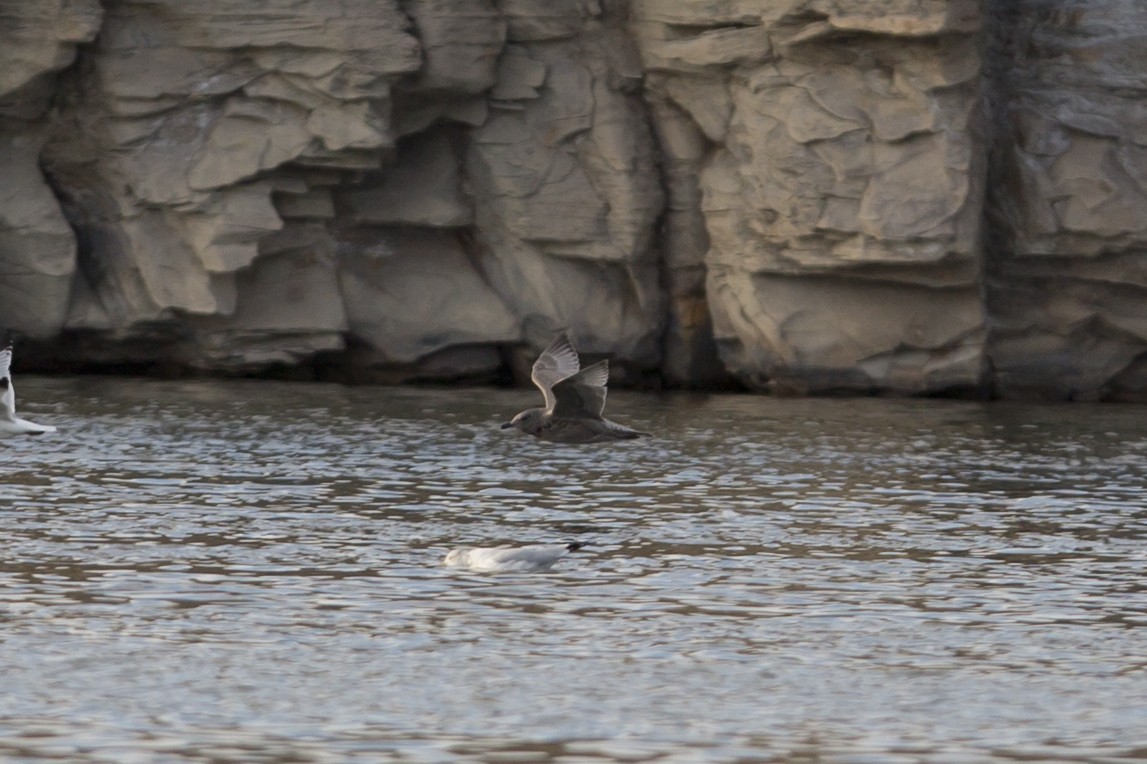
{"x":916,"y":197}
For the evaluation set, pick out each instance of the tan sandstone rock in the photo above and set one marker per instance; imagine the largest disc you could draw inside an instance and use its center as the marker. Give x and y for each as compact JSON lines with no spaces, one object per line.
{"x":422,"y":188}
{"x":411,"y":293}
{"x":788,"y":192}
{"x":37,"y":246}
{"x":1069,"y":276}
{"x":567,"y":194}
{"x":37,"y":39}
{"x":841,"y":189}
{"x":188,"y":122}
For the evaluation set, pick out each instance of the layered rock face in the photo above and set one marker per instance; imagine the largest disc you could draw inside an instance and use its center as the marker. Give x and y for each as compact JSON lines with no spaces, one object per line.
{"x":790,"y":193}
{"x":413,"y":189}
{"x":37,"y":246}
{"x":840,"y":184}
{"x":1068,"y":276}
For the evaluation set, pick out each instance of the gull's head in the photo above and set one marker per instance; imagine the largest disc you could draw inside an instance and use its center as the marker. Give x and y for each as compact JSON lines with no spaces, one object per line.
{"x":456,"y":556}
{"x":529,"y":421}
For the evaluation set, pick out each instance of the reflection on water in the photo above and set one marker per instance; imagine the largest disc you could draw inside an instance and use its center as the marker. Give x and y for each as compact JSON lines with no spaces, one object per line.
{"x":210,"y":572}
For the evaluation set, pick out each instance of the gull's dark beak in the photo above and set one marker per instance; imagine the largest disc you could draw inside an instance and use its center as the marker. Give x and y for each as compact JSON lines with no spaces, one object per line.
{"x":507,"y":425}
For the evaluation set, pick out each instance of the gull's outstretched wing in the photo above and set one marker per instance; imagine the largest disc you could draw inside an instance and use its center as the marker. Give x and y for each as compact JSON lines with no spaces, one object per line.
{"x":557,"y":361}
{"x":583,"y":394}
{"x":7,"y":392}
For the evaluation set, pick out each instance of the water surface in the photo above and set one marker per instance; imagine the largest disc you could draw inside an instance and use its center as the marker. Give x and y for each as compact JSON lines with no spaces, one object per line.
{"x":249,"y":571}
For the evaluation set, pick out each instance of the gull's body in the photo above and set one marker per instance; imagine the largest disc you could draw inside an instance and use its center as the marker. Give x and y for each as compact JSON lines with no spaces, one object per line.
{"x":575,"y":400}
{"x":525,"y":559}
{"x":10,"y":424}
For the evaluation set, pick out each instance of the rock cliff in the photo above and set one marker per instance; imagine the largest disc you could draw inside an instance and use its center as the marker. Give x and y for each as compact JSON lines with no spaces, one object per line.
{"x":806,"y":196}
{"x":1066,"y":276}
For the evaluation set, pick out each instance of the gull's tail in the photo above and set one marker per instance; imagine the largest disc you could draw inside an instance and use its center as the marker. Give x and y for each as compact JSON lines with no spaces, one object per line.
{"x":575,"y":546}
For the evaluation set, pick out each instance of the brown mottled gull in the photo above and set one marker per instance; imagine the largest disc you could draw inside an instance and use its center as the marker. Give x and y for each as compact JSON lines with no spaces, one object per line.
{"x":575,"y":398}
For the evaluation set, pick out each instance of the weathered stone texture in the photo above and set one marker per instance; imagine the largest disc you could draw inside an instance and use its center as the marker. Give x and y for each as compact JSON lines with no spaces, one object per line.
{"x":439,"y":179}
{"x":786,"y":192}
{"x":37,"y":40}
{"x":37,"y":246}
{"x":411,"y":293}
{"x":287,"y":306}
{"x":1068,"y":286}
{"x":422,"y":188}
{"x":195,"y":117}
{"x":567,"y":192}
{"x":840,"y":185}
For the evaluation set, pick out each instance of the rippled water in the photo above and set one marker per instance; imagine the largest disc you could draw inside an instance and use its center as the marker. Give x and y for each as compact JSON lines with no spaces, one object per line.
{"x":212,"y":572}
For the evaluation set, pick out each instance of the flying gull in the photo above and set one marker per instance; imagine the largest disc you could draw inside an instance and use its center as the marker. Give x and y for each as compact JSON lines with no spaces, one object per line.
{"x":10,"y":424}
{"x":574,"y":400}
{"x":526,"y":559}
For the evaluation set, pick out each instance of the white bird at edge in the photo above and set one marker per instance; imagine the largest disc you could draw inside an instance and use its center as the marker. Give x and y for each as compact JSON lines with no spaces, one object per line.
{"x":527,"y":559}
{"x":10,"y":424}
{"x":575,"y":400}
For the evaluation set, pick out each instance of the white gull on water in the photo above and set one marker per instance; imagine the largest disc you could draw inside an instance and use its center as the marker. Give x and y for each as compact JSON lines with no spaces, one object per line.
{"x":525,"y":559}
{"x":10,"y":424}
{"x":575,"y":400}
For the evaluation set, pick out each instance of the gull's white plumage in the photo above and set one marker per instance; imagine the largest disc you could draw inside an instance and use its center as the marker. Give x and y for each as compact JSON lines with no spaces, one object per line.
{"x":507,"y":558}
{"x":10,"y":424}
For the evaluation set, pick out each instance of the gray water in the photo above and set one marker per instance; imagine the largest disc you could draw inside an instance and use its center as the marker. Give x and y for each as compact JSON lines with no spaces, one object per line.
{"x":250,"y":571}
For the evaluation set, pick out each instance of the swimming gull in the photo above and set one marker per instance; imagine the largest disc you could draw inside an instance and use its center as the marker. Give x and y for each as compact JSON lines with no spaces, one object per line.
{"x":575,"y":398}
{"x":10,"y":424}
{"x":504,"y":558}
